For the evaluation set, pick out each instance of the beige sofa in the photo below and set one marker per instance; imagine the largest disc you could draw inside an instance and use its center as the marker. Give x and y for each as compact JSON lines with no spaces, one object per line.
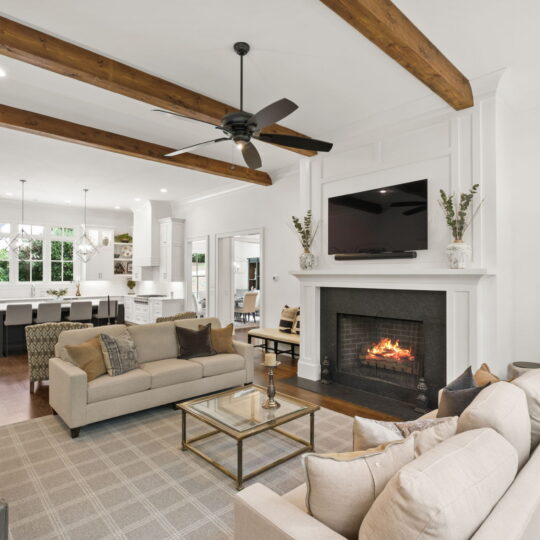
{"x":262,"y":513}
{"x":161,"y":378}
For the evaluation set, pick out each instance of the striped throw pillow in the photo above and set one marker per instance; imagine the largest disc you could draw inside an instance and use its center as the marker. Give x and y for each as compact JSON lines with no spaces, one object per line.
{"x":296,"y":325}
{"x":286,"y":321}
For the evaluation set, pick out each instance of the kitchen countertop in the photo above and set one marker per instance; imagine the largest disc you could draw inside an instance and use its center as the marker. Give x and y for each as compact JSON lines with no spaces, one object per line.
{"x":66,"y":301}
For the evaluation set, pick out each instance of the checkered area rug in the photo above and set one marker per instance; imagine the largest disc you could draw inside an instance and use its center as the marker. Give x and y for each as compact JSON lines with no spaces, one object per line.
{"x":127,"y":477}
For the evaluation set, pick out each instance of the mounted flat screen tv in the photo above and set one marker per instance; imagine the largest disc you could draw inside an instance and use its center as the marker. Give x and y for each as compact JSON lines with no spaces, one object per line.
{"x":386,"y":219}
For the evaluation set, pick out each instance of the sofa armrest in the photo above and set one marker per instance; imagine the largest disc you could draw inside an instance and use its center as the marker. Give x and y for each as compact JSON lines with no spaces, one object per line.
{"x":246,"y":350}
{"x":260,"y":513}
{"x":68,"y":390}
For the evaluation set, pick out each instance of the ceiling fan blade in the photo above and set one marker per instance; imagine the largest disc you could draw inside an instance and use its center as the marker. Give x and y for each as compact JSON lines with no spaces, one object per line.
{"x":295,"y":142}
{"x":273,"y":113}
{"x":185,"y":117}
{"x":251,"y":156}
{"x":194,"y":146}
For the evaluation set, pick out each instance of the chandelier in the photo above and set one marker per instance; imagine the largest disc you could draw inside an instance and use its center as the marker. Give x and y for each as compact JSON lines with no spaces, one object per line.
{"x":84,"y":247}
{"x":21,"y":242}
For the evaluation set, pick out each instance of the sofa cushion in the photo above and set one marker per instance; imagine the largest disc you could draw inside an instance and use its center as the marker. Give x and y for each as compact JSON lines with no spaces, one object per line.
{"x":76,"y":337}
{"x":220,"y":363}
{"x":530,"y":383}
{"x":105,"y":387}
{"x":222,"y":339}
{"x":503,"y":407}
{"x":428,"y":432}
{"x":342,"y":487}
{"x":445,"y":493}
{"x":194,"y":343}
{"x":172,"y":371}
{"x":456,"y":396}
{"x":154,"y":341}
{"x":89,"y":357}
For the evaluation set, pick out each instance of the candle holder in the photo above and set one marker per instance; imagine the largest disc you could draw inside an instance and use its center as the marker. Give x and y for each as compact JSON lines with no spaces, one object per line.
{"x":271,"y":403}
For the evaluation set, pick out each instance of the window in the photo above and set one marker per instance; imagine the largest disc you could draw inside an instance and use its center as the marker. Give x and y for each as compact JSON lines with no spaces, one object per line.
{"x":198,"y":274}
{"x":4,"y":251}
{"x":61,"y":254}
{"x":31,"y":258}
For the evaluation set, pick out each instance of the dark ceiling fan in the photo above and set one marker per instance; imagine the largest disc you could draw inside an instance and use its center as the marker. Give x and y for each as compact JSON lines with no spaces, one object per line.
{"x":241,"y":126}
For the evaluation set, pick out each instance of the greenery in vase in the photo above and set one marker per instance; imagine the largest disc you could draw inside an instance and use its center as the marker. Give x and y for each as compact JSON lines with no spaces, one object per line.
{"x":57,"y":292}
{"x":305,"y":230}
{"x":456,"y":211}
{"x":131,"y":284}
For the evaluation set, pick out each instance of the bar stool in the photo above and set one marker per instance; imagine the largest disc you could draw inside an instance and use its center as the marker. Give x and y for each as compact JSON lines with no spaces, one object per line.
{"x":103,"y":312}
{"x":80,"y":312}
{"x":49,"y":312}
{"x":16,"y":315}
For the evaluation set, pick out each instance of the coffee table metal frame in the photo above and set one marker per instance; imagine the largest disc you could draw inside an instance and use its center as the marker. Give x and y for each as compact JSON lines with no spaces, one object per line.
{"x":239,"y":436}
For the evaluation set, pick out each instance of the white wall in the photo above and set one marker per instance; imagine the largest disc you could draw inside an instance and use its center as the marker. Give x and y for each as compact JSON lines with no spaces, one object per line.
{"x":267,"y":208}
{"x":53,"y":215}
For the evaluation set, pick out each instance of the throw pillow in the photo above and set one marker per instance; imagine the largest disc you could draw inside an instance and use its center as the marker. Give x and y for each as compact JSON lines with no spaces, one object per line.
{"x":221,"y":339}
{"x":529,"y":382}
{"x":119,"y":354}
{"x":458,"y":395}
{"x":503,"y":407}
{"x":427,"y":432}
{"x":483,"y":376}
{"x":89,"y":357}
{"x":296,"y":325}
{"x":286,"y":320}
{"x":446,"y":493}
{"x":342,"y":487}
{"x":194,"y":343}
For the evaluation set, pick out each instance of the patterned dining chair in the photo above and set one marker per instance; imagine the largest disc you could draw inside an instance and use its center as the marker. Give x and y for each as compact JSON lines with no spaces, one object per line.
{"x":40,"y":342}
{"x":178,"y":316}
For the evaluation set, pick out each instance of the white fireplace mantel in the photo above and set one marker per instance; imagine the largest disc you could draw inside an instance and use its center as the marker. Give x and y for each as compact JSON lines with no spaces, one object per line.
{"x":462,"y":307}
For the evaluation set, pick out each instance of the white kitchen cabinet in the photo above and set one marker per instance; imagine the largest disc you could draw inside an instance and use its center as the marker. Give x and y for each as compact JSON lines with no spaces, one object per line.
{"x":129,"y":308}
{"x":101,"y":266}
{"x":145,"y":310}
{"x":171,"y":249}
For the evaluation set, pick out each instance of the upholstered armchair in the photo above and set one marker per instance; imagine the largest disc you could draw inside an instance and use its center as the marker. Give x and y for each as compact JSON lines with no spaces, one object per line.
{"x":40,"y":342}
{"x":178,"y":316}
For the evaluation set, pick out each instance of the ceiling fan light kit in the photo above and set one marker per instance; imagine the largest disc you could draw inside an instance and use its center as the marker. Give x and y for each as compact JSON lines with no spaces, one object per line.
{"x":241,"y":126}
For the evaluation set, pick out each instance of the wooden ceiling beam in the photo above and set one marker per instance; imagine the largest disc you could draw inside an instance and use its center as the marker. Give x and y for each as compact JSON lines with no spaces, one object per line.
{"x":387,"y":27}
{"x":47,"y":126}
{"x":48,"y":52}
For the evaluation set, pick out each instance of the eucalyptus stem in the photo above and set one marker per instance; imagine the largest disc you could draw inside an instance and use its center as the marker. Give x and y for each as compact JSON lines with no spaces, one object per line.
{"x":456,"y":211}
{"x":305,"y":230}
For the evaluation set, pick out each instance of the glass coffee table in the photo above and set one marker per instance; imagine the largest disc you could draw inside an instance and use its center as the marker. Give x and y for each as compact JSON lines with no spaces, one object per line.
{"x":239,"y":414}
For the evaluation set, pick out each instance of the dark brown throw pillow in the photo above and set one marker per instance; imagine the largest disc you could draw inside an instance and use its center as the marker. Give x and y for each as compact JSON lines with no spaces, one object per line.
{"x":194,"y":343}
{"x":221,"y":339}
{"x":458,"y":395}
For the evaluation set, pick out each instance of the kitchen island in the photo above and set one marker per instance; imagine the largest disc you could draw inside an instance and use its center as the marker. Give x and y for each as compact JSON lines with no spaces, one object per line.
{"x":17,"y":342}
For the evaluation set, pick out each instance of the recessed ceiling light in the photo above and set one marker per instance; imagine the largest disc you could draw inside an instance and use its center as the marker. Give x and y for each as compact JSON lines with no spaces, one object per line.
{"x":382,"y":191}
{"x":137,"y":199}
{"x":2,"y":72}
{"x":9,"y":194}
{"x":117,"y":208}
{"x":163,"y":190}
{"x":68,"y":201}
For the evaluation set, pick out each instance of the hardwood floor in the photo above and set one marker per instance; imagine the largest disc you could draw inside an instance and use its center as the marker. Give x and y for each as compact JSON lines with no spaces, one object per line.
{"x":17,"y":404}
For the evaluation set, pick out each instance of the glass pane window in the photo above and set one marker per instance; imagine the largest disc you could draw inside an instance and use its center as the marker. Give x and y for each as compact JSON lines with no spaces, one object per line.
{"x":62,"y":231}
{"x":31,"y":261}
{"x":34,"y":230}
{"x":4,"y":259}
{"x":61,"y":260}
{"x":5,"y":228}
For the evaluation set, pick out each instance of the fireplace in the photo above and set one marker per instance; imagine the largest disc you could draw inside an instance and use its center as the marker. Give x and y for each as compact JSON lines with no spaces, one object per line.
{"x":385,"y":341}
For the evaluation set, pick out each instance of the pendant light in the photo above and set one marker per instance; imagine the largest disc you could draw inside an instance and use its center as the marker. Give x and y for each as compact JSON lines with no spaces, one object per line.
{"x":21,"y":242}
{"x":84,"y":247}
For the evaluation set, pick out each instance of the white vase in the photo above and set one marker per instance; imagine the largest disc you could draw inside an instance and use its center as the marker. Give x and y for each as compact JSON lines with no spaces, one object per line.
{"x":307,"y":261}
{"x":458,"y":254}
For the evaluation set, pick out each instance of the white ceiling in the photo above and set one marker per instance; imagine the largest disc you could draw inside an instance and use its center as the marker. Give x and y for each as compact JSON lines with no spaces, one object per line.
{"x":300,"y":50}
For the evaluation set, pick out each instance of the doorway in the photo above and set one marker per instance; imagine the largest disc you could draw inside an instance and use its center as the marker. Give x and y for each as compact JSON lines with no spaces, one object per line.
{"x":239,"y":279}
{"x":197,"y":293}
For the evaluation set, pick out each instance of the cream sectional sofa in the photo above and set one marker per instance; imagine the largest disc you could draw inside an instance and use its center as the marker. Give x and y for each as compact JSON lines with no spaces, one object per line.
{"x":161,"y":378}
{"x":262,"y":513}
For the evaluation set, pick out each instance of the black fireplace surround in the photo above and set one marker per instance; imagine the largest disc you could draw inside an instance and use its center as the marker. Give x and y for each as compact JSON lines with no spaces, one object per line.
{"x":383,"y":340}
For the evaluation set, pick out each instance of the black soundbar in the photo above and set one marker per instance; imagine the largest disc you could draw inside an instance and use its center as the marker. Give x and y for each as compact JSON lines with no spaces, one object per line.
{"x":379,"y":255}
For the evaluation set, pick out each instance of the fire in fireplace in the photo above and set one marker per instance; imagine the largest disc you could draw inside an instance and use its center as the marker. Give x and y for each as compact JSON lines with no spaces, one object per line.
{"x":389,"y":354}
